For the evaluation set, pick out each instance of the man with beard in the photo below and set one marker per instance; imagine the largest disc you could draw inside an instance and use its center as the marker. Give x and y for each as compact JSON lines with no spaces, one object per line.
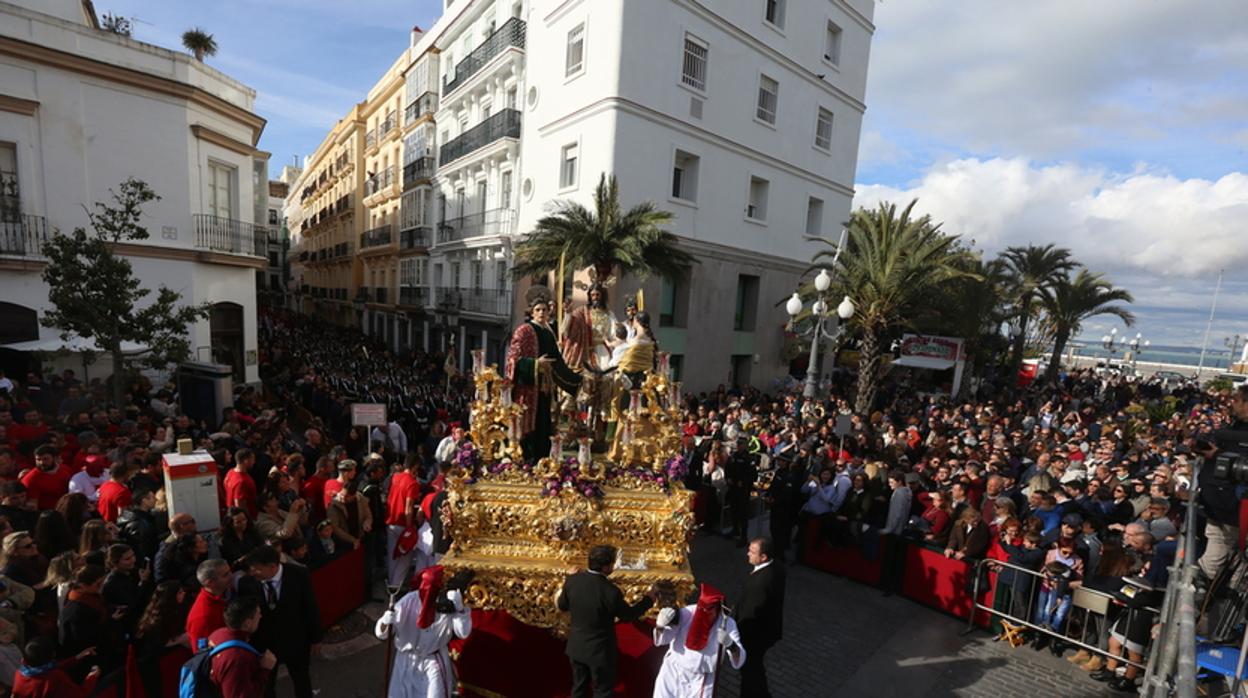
{"x":48,"y":481}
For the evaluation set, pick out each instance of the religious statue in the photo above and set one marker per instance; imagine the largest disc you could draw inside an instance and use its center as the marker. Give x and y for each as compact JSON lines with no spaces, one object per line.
{"x":589,"y":331}
{"x":535,"y":367}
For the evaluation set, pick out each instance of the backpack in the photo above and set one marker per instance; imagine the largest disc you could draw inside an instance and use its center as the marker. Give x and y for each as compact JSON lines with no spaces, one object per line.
{"x":195,"y":681}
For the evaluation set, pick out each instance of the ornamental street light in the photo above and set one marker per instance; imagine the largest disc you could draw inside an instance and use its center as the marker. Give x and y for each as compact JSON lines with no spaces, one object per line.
{"x":1137,"y":344}
{"x":821,"y":314}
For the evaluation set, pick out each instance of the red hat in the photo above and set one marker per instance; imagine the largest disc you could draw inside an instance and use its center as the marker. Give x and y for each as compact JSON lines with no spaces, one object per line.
{"x":407,"y":541}
{"x":428,"y":583}
{"x":710,"y":601}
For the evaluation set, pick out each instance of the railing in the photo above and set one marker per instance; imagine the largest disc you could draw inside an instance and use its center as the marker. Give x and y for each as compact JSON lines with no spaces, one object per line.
{"x":391,"y":123}
{"x":414,"y":296}
{"x":487,"y":301}
{"x":416,"y":170}
{"x":414,"y":237}
{"x":23,"y":235}
{"x":381,"y":180}
{"x":343,"y":204}
{"x":227,"y":235}
{"x":505,"y":124}
{"x":377,"y":237}
{"x":422,"y":105}
{"x":370,"y":139}
{"x":495,"y":221}
{"x":510,"y":34}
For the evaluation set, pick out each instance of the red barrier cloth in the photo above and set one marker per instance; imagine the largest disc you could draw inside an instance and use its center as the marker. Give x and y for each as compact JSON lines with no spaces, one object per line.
{"x":846,"y":561}
{"x":505,"y":657}
{"x":941,"y":583}
{"x":339,"y":586}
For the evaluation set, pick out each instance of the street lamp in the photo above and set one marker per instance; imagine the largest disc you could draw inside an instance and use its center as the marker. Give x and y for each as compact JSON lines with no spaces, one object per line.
{"x":1108,"y":343}
{"x":820,"y":312}
{"x":1137,"y":344}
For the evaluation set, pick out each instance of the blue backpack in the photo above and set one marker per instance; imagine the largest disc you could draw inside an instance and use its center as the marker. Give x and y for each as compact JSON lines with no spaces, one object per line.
{"x":195,"y":681}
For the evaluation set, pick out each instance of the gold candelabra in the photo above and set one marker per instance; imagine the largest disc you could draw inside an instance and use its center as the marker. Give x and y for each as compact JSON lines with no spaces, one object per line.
{"x":494,"y":420}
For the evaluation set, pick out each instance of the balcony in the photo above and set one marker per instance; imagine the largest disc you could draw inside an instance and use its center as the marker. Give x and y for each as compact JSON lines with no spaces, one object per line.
{"x":381,"y":295}
{"x":390,"y":124}
{"x":342,"y":205}
{"x":22,"y":235}
{"x":510,"y":34}
{"x":370,"y":139}
{"x":415,"y":238}
{"x":377,"y":237}
{"x":228,"y":235}
{"x":418,"y":170}
{"x":486,"y":301}
{"x":414,"y":296}
{"x":381,"y":181}
{"x":495,"y":221}
{"x":421,"y":106}
{"x":505,"y":124}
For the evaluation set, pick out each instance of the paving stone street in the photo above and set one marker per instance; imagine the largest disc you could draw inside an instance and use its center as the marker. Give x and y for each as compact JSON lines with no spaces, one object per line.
{"x":841,"y":638}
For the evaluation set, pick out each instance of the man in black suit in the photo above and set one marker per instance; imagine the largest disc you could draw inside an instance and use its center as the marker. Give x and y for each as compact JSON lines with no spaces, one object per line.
{"x":741,"y":471}
{"x":595,"y":603}
{"x":290,"y":624}
{"x":760,"y":615}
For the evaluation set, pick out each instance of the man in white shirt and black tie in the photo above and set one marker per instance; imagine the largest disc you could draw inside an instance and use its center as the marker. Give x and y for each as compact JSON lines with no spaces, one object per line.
{"x":760,"y":615}
{"x":290,"y":622}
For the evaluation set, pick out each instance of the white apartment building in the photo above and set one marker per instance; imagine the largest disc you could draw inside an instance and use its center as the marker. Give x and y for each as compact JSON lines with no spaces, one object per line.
{"x":83,"y":109}
{"x":740,"y":116}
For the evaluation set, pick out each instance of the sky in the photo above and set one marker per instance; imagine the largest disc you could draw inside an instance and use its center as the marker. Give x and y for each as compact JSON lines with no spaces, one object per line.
{"x":1118,"y":129}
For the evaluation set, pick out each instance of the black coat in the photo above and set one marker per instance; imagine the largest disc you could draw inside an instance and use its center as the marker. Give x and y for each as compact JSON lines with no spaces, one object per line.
{"x":290,"y":629}
{"x":596,"y":602}
{"x":760,"y":612}
{"x":741,"y":471}
{"x":138,"y":528}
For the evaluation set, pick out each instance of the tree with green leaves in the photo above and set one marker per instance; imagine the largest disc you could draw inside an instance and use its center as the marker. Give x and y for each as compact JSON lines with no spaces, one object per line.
{"x":973,"y":307}
{"x":199,"y":42}
{"x":891,"y":267}
{"x":1069,"y":302}
{"x":606,"y":238}
{"x":95,"y":294}
{"x":1035,"y":268}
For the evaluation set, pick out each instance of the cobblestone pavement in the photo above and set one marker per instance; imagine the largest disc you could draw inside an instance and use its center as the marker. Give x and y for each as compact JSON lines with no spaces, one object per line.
{"x":841,"y":638}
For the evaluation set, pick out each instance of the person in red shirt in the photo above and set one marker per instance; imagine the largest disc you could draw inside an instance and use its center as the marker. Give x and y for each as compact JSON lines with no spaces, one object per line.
{"x":240,"y":487}
{"x":40,"y":676}
{"x":346,"y":473}
{"x":114,"y":495}
{"x":48,"y":481}
{"x":31,"y":428}
{"x":238,"y":671}
{"x":402,"y":518}
{"x":208,"y":612}
{"x":314,"y":487}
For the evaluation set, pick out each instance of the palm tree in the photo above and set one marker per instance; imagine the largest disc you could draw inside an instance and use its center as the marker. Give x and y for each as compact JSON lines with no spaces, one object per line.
{"x":605,"y":238}
{"x":891,"y":267}
{"x":1035,"y":269}
{"x":1071,"y":301}
{"x":199,"y":42}
{"x":973,"y":308}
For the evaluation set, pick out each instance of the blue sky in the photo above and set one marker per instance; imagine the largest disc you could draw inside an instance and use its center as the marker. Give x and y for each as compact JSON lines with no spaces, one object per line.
{"x":1117,"y":128}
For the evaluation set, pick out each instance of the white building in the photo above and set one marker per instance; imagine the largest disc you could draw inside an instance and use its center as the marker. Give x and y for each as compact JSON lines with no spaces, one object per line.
{"x":740,"y":116}
{"x":83,"y":109}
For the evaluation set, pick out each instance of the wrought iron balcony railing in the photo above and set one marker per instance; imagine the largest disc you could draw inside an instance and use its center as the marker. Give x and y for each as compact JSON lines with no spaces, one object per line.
{"x":377,"y":237}
{"x":381,"y":180}
{"x":417,"y":296}
{"x":22,"y":235}
{"x":505,"y":124}
{"x":510,"y":34}
{"x":228,"y":235}
{"x":413,"y":238}
{"x":487,"y":301}
{"x":496,"y":221}
{"x":427,"y":103}
{"x":417,"y":170}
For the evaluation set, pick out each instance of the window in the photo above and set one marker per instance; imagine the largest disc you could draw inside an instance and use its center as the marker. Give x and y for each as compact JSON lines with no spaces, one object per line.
{"x":574,"y":60}
{"x":272,"y":259}
{"x":693,"y":68}
{"x":486,"y":110}
{"x":273,"y":220}
{"x":674,"y":303}
{"x":511,"y":98}
{"x":774,"y":12}
{"x":409,"y":272}
{"x":768,"y":97}
{"x":745,"y":310}
{"x":567,"y":167}
{"x":677,"y":362}
{"x":832,"y":44}
{"x":814,"y":217}
{"x":685,"y":176}
{"x":221,"y":190}
{"x":823,"y":130}
{"x":504,"y":195}
{"x":10,"y":196}
{"x":756,"y":208}
{"x":478,"y":275}
{"x":455,"y":274}
{"x":500,"y":274}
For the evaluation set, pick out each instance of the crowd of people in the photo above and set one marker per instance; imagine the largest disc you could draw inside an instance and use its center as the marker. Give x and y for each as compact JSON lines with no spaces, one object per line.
{"x":1077,"y":484}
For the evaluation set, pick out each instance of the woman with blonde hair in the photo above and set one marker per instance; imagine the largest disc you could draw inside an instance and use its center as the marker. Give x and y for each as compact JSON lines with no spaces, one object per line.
{"x":19,"y":559}
{"x":96,"y":535}
{"x":60,"y":576}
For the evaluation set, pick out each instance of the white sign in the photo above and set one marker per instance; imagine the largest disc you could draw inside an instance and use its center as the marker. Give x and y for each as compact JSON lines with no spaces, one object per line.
{"x":367,"y":414}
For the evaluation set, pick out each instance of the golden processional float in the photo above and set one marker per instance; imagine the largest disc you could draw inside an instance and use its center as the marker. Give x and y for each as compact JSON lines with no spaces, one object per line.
{"x":521,"y":527}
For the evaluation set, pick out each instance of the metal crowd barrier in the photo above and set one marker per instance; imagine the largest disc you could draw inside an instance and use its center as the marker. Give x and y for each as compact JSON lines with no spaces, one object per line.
{"x":1095,"y":606}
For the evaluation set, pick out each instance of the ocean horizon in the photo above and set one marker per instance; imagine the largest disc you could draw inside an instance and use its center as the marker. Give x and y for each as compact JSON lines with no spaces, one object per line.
{"x":1186,"y":356}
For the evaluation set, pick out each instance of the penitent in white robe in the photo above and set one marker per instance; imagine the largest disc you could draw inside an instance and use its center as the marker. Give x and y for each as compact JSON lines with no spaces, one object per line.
{"x":690,"y":673}
{"x":422,"y":667}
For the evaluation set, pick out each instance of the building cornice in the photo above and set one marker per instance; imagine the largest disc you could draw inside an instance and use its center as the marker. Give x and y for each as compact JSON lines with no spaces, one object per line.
{"x":17,"y":105}
{"x":762,"y":47}
{"x":35,"y":53}
{"x":183,"y":254}
{"x":204,"y":133}
{"x":639,"y":110}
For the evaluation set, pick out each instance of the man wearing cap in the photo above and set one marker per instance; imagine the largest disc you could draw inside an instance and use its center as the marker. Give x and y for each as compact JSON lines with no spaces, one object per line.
{"x":423,"y":627}
{"x":695,"y":635}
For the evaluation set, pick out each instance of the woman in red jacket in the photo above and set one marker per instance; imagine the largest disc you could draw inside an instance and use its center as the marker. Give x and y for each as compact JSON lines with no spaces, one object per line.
{"x":938,"y":517}
{"x":41,"y":677}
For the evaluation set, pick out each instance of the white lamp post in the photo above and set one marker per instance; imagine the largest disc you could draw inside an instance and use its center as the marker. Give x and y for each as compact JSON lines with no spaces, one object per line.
{"x":820,"y":312}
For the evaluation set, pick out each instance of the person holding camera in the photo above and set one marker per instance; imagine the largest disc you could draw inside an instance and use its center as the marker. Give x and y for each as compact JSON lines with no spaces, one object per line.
{"x":423,"y":623}
{"x":1219,"y":497}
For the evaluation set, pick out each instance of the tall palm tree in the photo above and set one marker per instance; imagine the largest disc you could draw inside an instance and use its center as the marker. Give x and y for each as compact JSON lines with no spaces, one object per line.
{"x":1035,"y":268}
{"x":891,"y":267}
{"x":606,"y":238}
{"x":973,"y":308}
{"x":199,"y":42}
{"x":1071,"y":301}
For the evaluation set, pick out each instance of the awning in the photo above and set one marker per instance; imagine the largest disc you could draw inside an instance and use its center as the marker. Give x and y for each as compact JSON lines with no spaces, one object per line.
{"x":927,"y":362}
{"x":73,"y":344}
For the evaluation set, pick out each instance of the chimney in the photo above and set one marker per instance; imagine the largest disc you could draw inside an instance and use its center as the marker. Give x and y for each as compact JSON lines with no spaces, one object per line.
{"x":417,"y":32}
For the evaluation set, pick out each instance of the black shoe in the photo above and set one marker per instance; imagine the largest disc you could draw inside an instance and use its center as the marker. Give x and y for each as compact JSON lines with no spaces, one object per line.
{"x":1104,"y":675}
{"x":1040,"y":642}
{"x":1124,"y":685}
{"x":1057,"y":648}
